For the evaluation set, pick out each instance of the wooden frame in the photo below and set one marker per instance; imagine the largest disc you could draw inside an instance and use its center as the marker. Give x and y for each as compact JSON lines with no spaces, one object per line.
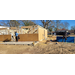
{"x":37,"y":34}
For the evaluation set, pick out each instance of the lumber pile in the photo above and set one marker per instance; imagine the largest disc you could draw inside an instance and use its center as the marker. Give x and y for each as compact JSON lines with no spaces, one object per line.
{"x":52,"y":37}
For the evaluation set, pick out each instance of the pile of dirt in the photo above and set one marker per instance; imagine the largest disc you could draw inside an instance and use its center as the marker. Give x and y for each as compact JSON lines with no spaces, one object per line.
{"x":55,"y":48}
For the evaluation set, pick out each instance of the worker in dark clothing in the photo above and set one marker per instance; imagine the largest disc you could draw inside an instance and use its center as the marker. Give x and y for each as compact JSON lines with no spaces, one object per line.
{"x":16,"y":36}
{"x":64,"y":36}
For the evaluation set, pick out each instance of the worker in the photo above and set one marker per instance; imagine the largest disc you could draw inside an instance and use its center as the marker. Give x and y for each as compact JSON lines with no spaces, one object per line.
{"x":12,"y":36}
{"x":54,"y":33}
{"x":16,"y":36}
{"x":64,"y":36}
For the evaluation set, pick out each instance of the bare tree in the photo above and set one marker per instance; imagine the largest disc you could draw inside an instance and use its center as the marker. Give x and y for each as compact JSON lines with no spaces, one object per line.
{"x":61,"y":26}
{"x":73,"y":28}
{"x":57,"y":25}
{"x":34,"y":22}
{"x":45,"y":23}
{"x":10,"y":23}
{"x":13,"y":23}
{"x":51,"y":25}
{"x":27,"y":22}
{"x":66,"y":25}
{"x":4,"y":23}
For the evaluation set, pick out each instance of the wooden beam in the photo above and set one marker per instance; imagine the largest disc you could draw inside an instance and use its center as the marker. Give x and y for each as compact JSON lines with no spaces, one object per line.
{"x":3,"y":28}
{"x":13,"y":28}
{"x":26,"y":27}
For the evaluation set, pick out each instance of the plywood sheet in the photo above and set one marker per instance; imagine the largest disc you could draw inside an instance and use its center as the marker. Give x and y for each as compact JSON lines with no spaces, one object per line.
{"x":28,"y":37}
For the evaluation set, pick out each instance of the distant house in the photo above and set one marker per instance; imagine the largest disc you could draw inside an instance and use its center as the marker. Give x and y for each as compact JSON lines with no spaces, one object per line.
{"x":71,"y":31}
{"x":51,"y":33}
{"x":58,"y":30}
{"x":62,"y":29}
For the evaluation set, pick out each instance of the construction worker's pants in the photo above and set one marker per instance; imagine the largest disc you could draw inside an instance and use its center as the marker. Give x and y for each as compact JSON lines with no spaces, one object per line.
{"x":63,"y":39}
{"x":16,"y":38}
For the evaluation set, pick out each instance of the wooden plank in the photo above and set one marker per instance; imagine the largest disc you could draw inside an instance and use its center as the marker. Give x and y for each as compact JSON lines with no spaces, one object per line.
{"x":42,"y":32}
{"x":13,"y":28}
{"x":5,"y":37}
{"x":28,"y":37}
{"x":16,"y":43}
{"x":26,"y":27}
{"x":1,"y":38}
{"x":3,"y":28}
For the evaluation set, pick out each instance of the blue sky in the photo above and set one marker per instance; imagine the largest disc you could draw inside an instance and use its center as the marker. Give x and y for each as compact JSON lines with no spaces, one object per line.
{"x":71,"y":22}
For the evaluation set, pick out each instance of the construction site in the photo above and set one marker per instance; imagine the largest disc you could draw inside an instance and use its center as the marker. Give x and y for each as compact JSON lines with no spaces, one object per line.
{"x":34,"y":40}
{"x":27,"y":34}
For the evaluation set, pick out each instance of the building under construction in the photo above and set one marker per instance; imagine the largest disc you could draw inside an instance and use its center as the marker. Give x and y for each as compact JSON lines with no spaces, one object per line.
{"x":26,"y":33}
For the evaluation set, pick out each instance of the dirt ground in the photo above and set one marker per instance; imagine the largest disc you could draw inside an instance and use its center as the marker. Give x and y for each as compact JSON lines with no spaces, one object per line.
{"x":41,"y":48}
